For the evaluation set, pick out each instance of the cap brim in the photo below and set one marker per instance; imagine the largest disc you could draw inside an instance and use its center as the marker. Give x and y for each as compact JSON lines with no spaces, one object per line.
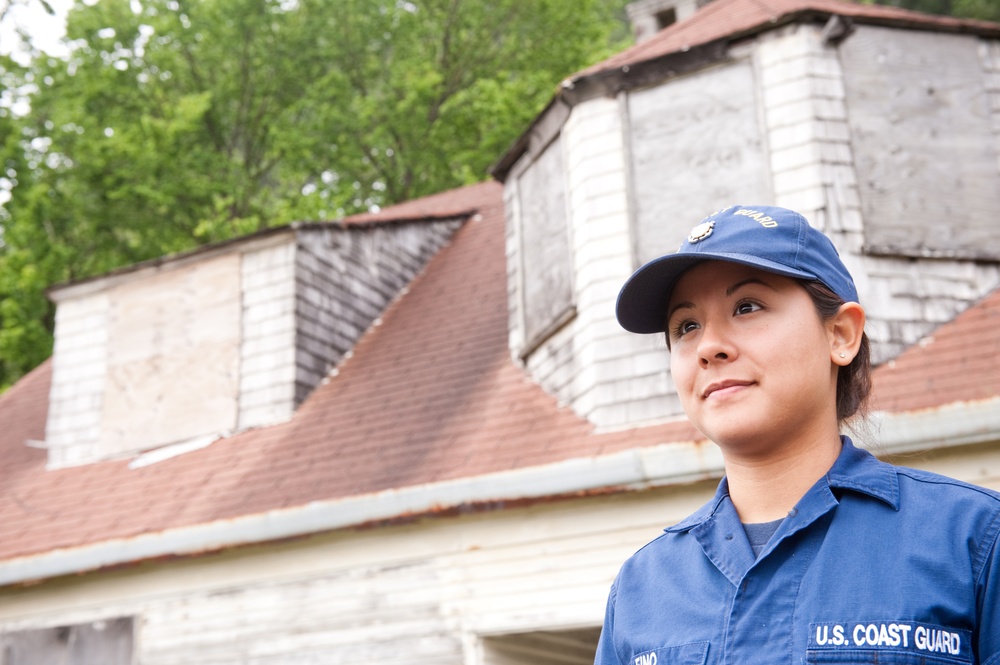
{"x":642,"y":301}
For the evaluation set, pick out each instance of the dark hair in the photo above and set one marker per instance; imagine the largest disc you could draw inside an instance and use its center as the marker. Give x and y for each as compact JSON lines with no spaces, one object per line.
{"x":854,"y":382}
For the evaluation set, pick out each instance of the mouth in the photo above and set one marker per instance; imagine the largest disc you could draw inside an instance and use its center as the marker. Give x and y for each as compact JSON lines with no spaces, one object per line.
{"x":727,"y":387}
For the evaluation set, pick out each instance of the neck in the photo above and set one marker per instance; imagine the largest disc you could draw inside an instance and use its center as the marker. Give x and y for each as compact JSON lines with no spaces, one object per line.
{"x":765,"y":489}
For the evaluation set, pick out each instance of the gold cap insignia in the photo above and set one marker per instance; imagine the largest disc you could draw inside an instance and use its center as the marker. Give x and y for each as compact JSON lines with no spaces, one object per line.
{"x":701,"y":231}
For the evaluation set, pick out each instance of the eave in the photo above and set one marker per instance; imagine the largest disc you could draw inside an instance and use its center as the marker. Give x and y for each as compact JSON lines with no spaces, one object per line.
{"x":666,"y":464}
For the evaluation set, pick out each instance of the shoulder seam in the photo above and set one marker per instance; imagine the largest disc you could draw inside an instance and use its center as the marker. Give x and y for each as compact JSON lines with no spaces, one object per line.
{"x":937,"y":479}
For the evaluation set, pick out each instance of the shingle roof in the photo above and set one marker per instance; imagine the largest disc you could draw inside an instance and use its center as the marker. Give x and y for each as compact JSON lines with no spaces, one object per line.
{"x":429,"y":394}
{"x":733,"y":19}
{"x":959,"y":362}
{"x":444,"y":205}
{"x":452,"y":203}
{"x":717,"y":24}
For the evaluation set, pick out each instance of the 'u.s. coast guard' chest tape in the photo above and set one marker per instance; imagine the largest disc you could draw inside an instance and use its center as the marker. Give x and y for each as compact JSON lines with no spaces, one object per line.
{"x":906,"y":636}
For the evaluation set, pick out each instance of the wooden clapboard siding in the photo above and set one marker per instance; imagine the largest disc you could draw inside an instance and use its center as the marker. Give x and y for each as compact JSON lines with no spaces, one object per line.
{"x":507,"y":587}
{"x":373,"y":613}
{"x":979,"y":465}
{"x":411,"y":593}
{"x":233,"y":337}
{"x":544,"y":252}
{"x":344,"y":278}
{"x":886,"y":140}
{"x":584,"y":358}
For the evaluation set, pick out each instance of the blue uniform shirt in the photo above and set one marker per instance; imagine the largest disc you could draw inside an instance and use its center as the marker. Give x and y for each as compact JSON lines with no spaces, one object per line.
{"x":876,"y":564}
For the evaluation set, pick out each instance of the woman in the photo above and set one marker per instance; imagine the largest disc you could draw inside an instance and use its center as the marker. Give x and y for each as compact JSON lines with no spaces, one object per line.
{"x":812,"y":550}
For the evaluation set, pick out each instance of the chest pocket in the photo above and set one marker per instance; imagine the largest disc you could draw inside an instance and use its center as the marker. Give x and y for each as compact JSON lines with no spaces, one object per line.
{"x":684,"y":654}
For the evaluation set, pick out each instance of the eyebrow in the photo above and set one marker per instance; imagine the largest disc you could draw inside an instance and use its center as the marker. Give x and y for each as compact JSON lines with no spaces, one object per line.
{"x":670,"y":312}
{"x":730,"y":291}
{"x":750,"y":280}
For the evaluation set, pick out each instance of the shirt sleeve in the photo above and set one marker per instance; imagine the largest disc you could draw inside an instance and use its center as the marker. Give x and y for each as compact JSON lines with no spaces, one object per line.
{"x":989,"y":600}
{"x":606,"y":654}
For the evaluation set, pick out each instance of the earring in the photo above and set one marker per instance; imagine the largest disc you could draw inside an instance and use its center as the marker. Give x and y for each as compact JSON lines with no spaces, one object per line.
{"x":843,"y":355}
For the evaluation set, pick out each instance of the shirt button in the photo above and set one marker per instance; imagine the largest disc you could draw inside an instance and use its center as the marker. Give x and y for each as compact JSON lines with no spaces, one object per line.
{"x":793,"y":512}
{"x":729,"y":536}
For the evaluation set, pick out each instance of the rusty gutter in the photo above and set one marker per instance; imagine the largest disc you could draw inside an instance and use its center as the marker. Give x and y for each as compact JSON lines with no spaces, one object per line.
{"x":956,"y":424}
{"x":639,"y":468}
{"x":667,"y":464}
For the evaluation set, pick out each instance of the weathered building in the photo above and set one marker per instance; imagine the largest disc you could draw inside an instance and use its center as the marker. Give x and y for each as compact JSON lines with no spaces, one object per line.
{"x":879,"y":125}
{"x":420,"y":436}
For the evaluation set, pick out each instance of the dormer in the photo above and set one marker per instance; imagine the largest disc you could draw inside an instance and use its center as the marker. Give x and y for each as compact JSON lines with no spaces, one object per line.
{"x":180,"y":351}
{"x":881,"y":126}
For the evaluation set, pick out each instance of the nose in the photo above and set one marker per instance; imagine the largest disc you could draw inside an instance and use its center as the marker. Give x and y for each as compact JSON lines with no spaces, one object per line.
{"x":714,"y":345}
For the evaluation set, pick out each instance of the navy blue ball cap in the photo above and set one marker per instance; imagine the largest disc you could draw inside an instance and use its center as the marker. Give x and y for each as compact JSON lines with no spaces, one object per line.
{"x":774,"y":239}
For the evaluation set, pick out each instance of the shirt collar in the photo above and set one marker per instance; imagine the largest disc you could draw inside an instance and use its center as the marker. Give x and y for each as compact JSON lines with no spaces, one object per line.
{"x":859,"y":470}
{"x":855,"y":469}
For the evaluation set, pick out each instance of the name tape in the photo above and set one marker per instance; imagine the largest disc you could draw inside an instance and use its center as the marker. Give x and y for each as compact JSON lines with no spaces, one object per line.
{"x":896,"y":635}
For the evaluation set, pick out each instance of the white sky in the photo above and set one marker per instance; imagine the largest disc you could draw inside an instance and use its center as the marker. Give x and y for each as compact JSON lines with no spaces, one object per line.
{"x":45,"y":29}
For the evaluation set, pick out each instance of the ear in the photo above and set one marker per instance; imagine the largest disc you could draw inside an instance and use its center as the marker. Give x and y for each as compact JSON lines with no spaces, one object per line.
{"x":845,"y":330}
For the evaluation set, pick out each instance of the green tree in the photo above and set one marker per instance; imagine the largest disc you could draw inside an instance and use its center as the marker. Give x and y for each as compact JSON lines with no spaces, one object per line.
{"x":177,"y":122}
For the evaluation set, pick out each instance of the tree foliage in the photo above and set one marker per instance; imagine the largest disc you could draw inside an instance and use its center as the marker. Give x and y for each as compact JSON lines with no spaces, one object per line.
{"x":177,"y":122}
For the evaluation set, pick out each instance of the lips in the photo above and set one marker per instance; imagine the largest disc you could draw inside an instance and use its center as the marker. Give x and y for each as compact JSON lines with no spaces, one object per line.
{"x":724,"y":386}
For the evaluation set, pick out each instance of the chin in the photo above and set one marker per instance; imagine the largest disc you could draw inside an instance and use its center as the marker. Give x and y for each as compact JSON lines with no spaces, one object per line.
{"x":743,"y":436}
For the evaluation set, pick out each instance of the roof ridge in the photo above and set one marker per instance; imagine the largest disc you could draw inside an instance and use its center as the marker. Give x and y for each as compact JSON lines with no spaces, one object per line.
{"x":722,"y":19}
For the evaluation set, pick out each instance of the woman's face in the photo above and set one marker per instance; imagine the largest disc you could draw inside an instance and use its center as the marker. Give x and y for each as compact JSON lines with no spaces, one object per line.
{"x":750,"y":358}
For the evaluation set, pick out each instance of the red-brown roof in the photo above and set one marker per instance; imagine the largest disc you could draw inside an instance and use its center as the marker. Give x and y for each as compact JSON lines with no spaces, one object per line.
{"x":430,"y":394}
{"x":444,"y":205}
{"x":733,"y":19}
{"x":959,"y":362}
{"x":721,"y":22}
{"x":452,"y":203}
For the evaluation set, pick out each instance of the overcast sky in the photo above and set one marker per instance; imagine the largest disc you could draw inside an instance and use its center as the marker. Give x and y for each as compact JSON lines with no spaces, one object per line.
{"x":46,"y":29}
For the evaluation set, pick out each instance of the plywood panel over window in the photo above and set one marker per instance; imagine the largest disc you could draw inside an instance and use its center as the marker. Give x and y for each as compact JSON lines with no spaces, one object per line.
{"x":696,"y":146}
{"x":97,"y":643}
{"x":173,"y":356}
{"x":924,"y":151}
{"x":568,"y":647}
{"x":547,"y":290}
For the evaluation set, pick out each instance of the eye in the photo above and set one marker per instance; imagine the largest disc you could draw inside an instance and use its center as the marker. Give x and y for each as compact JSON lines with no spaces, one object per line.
{"x":683,"y":327}
{"x":747,"y":307}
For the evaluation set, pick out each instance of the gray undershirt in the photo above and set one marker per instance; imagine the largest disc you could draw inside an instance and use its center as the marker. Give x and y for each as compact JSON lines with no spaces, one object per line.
{"x":758,"y":534}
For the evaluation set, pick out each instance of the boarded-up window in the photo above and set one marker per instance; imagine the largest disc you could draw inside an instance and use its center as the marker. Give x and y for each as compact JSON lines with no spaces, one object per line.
{"x":925,"y":156}
{"x":98,"y":643}
{"x":567,"y":647}
{"x":696,"y":147}
{"x":547,"y":291}
{"x":173,"y":356}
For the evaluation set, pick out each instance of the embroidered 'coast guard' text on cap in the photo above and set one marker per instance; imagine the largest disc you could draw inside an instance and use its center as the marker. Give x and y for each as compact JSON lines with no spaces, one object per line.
{"x":774,"y":239}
